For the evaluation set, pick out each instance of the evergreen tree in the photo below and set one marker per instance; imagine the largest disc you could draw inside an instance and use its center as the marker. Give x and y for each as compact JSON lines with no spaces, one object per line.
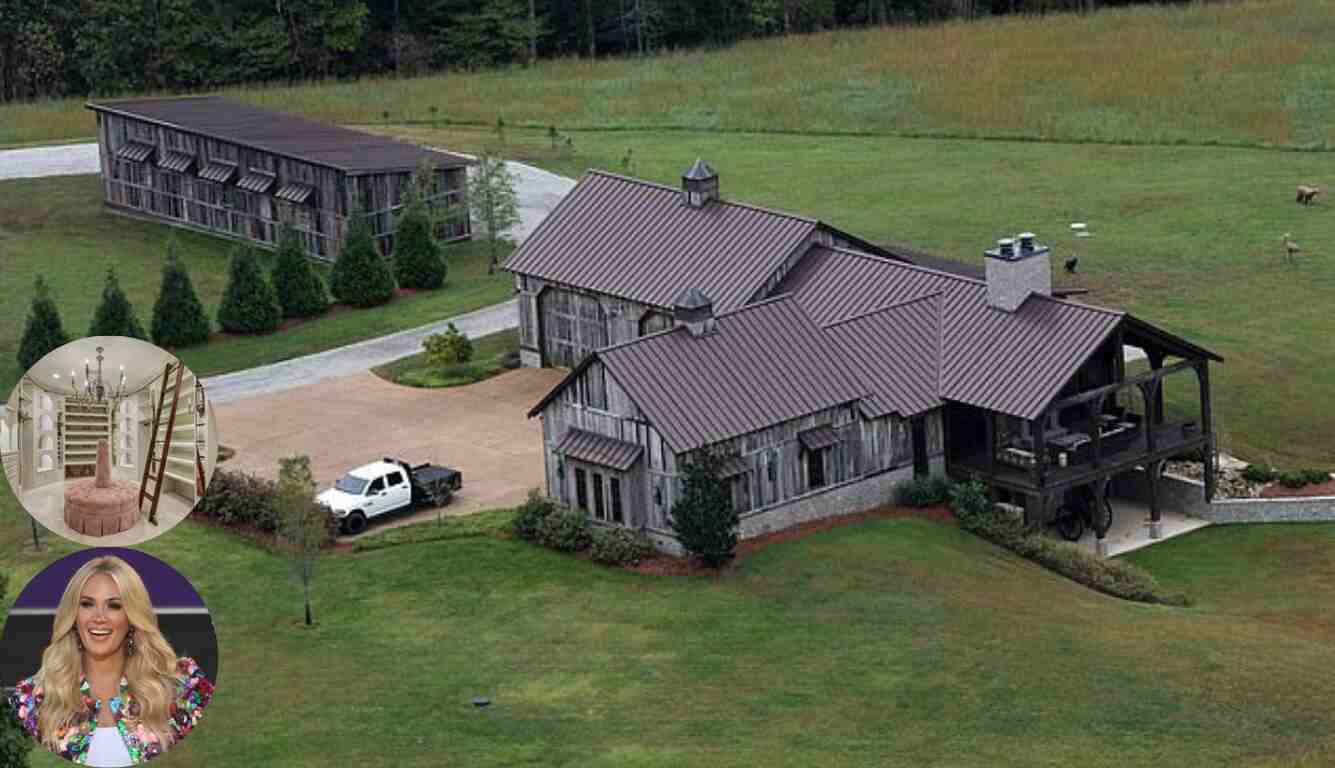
{"x":361,"y":276}
{"x":418,"y":258}
{"x":115,"y":315}
{"x":249,"y":304}
{"x":300,"y":291}
{"x":492,"y":199}
{"x":43,"y":331}
{"x":178,"y":317}
{"x":704,"y":519}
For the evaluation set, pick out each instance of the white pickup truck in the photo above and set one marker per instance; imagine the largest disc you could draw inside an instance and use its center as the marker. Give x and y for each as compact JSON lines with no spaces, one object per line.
{"x":387,"y":486}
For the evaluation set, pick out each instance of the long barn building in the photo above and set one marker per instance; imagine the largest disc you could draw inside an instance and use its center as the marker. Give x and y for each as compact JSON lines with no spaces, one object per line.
{"x":237,"y":170}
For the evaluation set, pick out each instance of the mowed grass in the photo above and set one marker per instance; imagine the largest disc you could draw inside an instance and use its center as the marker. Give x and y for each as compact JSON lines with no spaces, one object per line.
{"x":1244,"y":73}
{"x":900,"y":642}
{"x":491,"y":355}
{"x":56,"y":226}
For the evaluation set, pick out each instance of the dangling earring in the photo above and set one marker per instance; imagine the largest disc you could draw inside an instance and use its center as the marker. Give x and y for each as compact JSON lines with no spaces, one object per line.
{"x":129,"y":643}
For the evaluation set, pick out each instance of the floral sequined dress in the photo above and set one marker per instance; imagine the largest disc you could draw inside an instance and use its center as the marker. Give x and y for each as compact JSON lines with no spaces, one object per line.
{"x":193,"y":693}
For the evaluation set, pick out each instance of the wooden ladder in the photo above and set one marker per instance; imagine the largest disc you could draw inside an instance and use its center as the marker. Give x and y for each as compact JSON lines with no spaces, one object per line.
{"x":201,"y":439}
{"x":155,"y":466}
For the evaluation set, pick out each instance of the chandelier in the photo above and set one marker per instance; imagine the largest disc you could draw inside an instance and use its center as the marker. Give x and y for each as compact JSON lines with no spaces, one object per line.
{"x":95,"y":391}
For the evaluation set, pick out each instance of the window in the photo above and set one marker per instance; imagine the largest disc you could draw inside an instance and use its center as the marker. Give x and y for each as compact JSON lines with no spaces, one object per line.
{"x":394,"y":478}
{"x":599,"y":504}
{"x":615,"y":489}
{"x":816,"y":468}
{"x":377,"y":485}
{"x":581,"y":492}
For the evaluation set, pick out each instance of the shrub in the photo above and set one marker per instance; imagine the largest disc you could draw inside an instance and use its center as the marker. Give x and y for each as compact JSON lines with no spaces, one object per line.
{"x":1292,"y":479}
{"x":43,"y":331}
{"x":241,"y":500}
{"x":531,"y":514}
{"x":704,"y":519}
{"x":619,"y":546}
{"x":249,"y":304}
{"x":1258,"y":473}
{"x":178,"y":317}
{"x":1316,"y":476}
{"x":361,"y":277}
{"x":115,"y":315}
{"x":448,"y":348}
{"x":511,"y":360}
{"x":418,"y":259}
{"x":923,"y":491}
{"x":300,"y":291}
{"x":565,"y":530}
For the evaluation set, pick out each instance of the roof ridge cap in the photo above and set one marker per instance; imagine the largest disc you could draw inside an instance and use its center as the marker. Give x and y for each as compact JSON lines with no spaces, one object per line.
{"x":897,"y":305}
{"x":720,"y":201}
{"x":907,"y":265}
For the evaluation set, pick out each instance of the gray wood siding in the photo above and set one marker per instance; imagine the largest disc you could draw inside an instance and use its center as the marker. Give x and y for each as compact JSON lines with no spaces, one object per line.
{"x":567,"y":324}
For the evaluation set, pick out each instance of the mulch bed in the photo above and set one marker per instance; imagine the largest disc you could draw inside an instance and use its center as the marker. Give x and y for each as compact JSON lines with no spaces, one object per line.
{"x":1277,"y":491}
{"x":661,"y":564}
{"x":263,"y":538}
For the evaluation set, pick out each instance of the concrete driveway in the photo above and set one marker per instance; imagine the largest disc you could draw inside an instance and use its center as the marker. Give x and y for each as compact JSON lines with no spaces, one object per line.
{"x":481,"y":430}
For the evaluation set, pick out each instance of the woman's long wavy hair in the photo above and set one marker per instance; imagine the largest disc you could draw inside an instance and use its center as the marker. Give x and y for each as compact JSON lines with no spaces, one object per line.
{"x":150,"y":672}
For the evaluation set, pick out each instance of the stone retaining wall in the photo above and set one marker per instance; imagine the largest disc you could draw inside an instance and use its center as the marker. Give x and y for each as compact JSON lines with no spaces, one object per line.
{"x":1188,"y":496}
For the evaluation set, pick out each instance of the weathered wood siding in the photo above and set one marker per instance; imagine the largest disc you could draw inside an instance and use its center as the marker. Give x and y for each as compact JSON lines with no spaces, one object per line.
{"x":566,"y":324}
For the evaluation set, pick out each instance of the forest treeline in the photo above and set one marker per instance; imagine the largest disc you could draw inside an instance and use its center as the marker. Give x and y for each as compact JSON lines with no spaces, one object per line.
{"x":51,"y":48}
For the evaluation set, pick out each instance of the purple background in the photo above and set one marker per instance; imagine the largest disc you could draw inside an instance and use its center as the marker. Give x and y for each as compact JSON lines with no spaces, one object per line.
{"x":166,"y":587}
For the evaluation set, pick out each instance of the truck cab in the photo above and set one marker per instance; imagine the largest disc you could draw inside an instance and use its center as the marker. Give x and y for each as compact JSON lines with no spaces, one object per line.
{"x":367,"y":491}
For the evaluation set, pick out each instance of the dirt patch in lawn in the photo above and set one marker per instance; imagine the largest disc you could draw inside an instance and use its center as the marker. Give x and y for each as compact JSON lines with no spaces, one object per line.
{"x":661,"y":564}
{"x":1277,"y":491}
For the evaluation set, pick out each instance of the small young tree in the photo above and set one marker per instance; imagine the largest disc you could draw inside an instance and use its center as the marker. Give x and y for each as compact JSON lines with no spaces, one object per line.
{"x":15,"y":744}
{"x":249,"y":304}
{"x":178,"y":317}
{"x":704,"y":519}
{"x":492,"y":199}
{"x":300,"y":291}
{"x":304,"y":523}
{"x":43,"y":331}
{"x":115,"y":315}
{"x":448,"y":348}
{"x":361,"y":276}
{"x":418,"y":259}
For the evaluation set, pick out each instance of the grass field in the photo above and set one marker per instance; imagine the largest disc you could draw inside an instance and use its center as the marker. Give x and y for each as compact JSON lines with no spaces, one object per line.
{"x":490,"y":355}
{"x":900,"y":642}
{"x":56,"y":226}
{"x":1240,"y":73}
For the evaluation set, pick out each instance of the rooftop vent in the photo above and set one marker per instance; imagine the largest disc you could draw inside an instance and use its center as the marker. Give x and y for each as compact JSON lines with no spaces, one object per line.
{"x":699,"y":184}
{"x":694,"y":310}
{"x":1017,"y":268}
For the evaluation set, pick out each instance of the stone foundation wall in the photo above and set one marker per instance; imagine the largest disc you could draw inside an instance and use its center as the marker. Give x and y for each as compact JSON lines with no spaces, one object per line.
{"x":1188,"y":496}
{"x":529,"y":358}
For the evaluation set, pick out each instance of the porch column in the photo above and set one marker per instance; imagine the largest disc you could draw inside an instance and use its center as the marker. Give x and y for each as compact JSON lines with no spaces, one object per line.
{"x":1156,"y":527}
{"x":1156,"y":362}
{"x":1149,"y":391}
{"x":1101,"y":531}
{"x":1207,"y":429}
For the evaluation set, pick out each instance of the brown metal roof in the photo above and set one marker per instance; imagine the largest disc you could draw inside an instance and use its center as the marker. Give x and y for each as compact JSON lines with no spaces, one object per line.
{"x":893,"y":352}
{"x":594,"y":448}
{"x":816,"y":438}
{"x":637,"y":240}
{"x":765,"y":364}
{"x":296,"y":137}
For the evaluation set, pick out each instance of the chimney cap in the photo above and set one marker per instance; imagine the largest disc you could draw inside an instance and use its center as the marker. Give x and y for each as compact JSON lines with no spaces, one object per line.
{"x":691,"y":298}
{"x":699,"y":171}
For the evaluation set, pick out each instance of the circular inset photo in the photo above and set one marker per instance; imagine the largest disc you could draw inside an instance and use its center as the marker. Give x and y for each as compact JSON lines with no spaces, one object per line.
{"x":110,"y":657}
{"x":108,"y":440}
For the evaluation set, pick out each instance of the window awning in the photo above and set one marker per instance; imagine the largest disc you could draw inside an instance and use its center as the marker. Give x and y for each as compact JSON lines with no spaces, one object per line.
{"x":220,"y":173}
{"x":135,"y":151}
{"x":294,"y":193}
{"x":256,"y":181}
{"x":176,"y":161}
{"x":599,"y":449}
{"x":733,"y":466}
{"x":817,"y":438}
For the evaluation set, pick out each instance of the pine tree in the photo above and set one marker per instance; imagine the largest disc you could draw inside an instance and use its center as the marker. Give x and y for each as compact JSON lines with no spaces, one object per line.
{"x":115,"y":315}
{"x":178,"y":317}
{"x":418,"y":259}
{"x":361,"y":276}
{"x":43,"y":331}
{"x":704,"y":519}
{"x":301,"y":292}
{"x":249,"y":304}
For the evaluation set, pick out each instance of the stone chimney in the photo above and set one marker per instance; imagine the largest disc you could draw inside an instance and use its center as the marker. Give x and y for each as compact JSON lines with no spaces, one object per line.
{"x":695,"y":311}
{"x":699,"y":185}
{"x":1017,"y":268}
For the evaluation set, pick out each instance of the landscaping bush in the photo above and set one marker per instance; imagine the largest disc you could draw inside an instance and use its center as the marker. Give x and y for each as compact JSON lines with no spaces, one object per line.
{"x":115,"y":315}
{"x":249,"y":304}
{"x":419,"y":261}
{"x":178,"y":317}
{"x":1258,"y":473}
{"x":1316,"y":476}
{"x":530,"y":515}
{"x":704,"y":519}
{"x":448,"y":348}
{"x":619,"y":546}
{"x":242,"y":500}
{"x":923,"y":491}
{"x":43,"y":331}
{"x":300,"y":291}
{"x":1296,"y":479}
{"x":565,"y":530}
{"x":361,"y":277}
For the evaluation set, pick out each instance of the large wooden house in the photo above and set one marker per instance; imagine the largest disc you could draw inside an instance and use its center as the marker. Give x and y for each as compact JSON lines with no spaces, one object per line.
{"x":237,"y":170}
{"x":827,"y":375}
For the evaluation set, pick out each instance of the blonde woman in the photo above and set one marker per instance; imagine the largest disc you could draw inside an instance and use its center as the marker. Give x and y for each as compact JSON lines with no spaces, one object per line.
{"x":111,"y":691}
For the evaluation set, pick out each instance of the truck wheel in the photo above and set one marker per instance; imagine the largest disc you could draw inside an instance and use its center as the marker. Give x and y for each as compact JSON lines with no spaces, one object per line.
{"x":356,"y":523}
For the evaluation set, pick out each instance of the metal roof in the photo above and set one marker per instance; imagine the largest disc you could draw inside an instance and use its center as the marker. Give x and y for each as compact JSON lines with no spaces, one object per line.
{"x":294,"y":192}
{"x":135,"y":152}
{"x":218,"y":172}
{"x":257,"y":182}
{"x":351,"y":151}
{"x":639,"y":241}
{"x":816,"y":438}
{"x":594,"y":448}
{"x":894,"y":353}
{"x":765,"y":363}
{"x":176,"y":161}
{"x":699,"y":171}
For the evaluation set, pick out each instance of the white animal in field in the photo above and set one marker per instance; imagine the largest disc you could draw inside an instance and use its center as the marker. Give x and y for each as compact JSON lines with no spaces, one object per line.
{"x":1291,"y":248}
{"x":1306,"y":194}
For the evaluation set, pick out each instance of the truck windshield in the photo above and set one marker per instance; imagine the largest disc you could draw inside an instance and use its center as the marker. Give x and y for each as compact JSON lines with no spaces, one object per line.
{"x":350,"y":484}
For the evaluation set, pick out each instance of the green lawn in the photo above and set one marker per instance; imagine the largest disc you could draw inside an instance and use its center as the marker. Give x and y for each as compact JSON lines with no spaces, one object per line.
{"x":57,"y":226}
{"x":892,"y":642}
{"x":491,"y":355}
